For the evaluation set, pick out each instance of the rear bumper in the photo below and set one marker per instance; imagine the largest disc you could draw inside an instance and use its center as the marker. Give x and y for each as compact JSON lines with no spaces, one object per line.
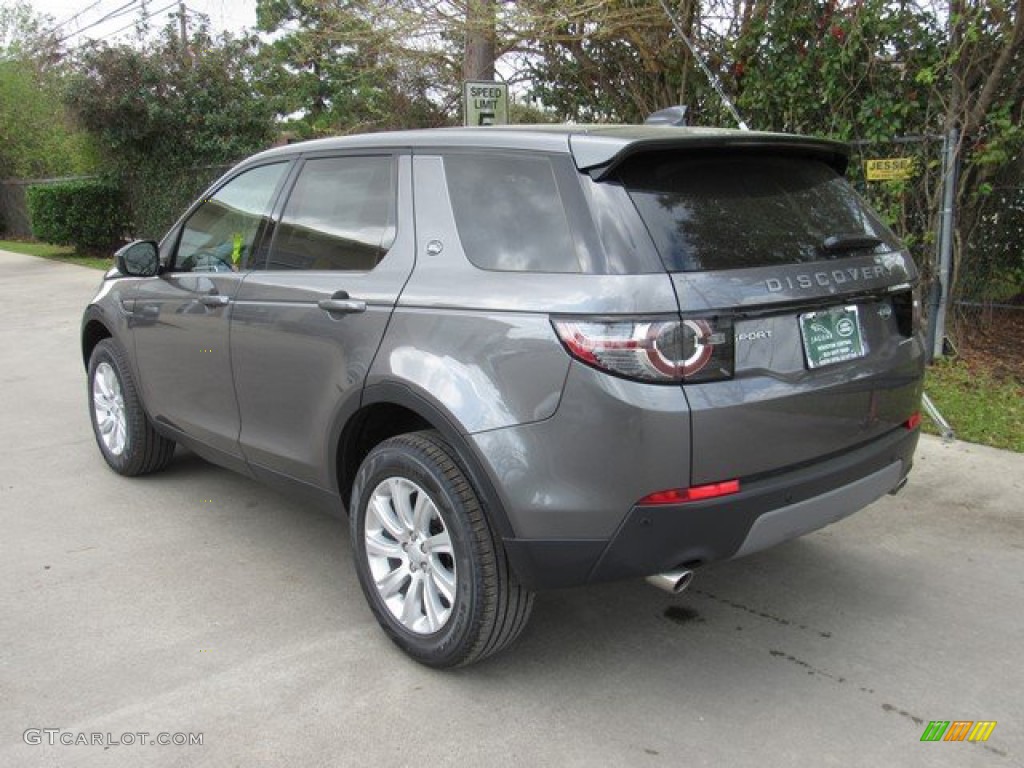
{"x":768,"y":510}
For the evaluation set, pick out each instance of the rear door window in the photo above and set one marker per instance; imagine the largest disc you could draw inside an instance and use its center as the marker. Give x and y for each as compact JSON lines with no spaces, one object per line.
{"x":718,"y":211}
{"x":339,"y":216}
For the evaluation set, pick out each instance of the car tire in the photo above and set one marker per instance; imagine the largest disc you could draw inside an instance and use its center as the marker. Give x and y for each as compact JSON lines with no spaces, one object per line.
{"x":125,"y":436}
{"x":434,"y":573}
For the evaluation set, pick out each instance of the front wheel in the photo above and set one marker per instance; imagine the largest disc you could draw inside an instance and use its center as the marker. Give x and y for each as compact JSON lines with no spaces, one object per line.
{"x":123,"y":432}
{"x":432,"y":570}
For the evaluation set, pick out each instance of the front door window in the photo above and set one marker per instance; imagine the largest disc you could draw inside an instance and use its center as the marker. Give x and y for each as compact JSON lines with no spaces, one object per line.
{"x":220,"y":234}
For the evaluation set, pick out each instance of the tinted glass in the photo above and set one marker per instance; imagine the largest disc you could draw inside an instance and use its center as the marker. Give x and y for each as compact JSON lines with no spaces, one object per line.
{"x":509,"y":213}
{"x":712,"y":212}
{"x":338,"y":216}
{"x":220,"y":234}
{"x":627,"y":247}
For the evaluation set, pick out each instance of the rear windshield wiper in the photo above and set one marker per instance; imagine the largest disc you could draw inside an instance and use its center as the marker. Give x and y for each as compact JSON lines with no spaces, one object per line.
{"x":850,"y":242}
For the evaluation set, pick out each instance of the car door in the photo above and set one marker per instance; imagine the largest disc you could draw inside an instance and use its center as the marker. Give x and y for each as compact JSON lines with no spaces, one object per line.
{"x":306,"y":325}
{"x":180,"y":318}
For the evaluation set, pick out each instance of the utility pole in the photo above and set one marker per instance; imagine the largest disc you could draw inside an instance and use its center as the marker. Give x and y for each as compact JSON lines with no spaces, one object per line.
{"x":183,"y":25}
{"x":478,"y":63}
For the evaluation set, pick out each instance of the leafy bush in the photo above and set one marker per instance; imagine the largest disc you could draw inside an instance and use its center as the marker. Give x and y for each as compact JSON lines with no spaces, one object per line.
{"x":86,"y":213}
{"x":163,"y":113}
{"x":159,"y":195}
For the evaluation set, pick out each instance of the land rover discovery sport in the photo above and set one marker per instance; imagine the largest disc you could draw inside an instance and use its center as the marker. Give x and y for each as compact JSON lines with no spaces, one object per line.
{"x":523,"y":357}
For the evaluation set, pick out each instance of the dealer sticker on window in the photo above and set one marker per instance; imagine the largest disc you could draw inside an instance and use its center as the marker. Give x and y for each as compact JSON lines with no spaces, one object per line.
{"x":832,"y":336}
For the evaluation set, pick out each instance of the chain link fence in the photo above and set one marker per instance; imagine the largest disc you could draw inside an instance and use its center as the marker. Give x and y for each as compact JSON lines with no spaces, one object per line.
{"x":910,"y":206}
{"x":992,"y":272}
{"x":988,"y":268}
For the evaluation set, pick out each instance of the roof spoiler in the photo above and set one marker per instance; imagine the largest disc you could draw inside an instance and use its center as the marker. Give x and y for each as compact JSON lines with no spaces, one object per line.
{"x":599,"y":156}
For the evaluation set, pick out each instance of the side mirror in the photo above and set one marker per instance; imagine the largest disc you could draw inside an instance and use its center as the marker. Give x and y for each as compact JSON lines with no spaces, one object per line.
{"x":140,"y":258}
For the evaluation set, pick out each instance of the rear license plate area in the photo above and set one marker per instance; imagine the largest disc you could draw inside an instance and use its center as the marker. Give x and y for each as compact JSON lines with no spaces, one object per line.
{"x":832,"y":336}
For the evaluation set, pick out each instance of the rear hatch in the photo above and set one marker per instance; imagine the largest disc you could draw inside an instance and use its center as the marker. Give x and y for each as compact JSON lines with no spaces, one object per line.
{"x":779,"y":256}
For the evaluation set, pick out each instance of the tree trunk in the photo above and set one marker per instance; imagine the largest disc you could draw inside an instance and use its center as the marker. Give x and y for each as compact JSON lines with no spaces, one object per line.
{"x":478,"y":63}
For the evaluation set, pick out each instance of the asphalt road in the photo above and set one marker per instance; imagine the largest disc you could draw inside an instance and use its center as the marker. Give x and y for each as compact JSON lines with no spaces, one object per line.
{"x":197,"y":601}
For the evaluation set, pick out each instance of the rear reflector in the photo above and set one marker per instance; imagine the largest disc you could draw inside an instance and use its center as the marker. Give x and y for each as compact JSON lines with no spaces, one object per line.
{"x":914,"y":421}
{"x":696,"y":493}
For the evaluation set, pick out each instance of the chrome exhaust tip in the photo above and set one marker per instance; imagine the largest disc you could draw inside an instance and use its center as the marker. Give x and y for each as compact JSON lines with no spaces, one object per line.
{"x":672,"y":582}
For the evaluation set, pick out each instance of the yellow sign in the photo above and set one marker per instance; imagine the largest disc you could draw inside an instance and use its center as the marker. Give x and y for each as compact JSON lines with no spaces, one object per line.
{"x":890,"y":169}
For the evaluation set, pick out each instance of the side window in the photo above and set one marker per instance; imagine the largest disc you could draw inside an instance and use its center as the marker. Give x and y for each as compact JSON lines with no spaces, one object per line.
{"x":219,"y":235}
{"x":509,"y":213}
{"x":340,"y":215}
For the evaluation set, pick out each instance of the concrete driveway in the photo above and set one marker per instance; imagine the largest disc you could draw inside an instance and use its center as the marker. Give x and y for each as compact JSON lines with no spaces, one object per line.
{"x":199,"y":602}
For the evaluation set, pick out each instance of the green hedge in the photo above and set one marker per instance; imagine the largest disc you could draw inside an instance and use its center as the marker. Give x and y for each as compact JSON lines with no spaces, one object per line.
{"x":159,"y":195}
{"x":88,"y":214}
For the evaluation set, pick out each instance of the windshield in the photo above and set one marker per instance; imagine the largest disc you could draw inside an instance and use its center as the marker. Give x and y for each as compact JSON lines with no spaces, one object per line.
{"x":729,"y":211}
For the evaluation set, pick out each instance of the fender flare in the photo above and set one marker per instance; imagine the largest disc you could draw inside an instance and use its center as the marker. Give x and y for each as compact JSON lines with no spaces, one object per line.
{"x":92,"y":314}
{"x":388,"y":392}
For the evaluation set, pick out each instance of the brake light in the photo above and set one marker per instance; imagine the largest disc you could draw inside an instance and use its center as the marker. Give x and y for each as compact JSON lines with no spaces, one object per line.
{"x":661,"y":351}
{"x":694,"y":493}
{"x":914,"y":421}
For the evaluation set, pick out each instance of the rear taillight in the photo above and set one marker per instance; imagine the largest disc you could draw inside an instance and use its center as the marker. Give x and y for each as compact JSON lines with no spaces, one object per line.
{"x":914,"y":421}
{"x":661,"y":351}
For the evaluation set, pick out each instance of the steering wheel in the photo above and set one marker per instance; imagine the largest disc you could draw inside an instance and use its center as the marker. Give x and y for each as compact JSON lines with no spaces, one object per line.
{"x":206,"y":261}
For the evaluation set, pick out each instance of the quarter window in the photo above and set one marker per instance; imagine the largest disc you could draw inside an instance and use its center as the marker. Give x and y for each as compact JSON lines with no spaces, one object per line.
{"x":509,"y":213}
{"x":340,"y":215}
{"x":220,"y":234}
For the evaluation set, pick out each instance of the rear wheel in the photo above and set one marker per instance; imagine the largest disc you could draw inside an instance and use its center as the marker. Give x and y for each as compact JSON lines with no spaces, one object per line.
{"x":432,"y":570}
{"x":123,"y":432}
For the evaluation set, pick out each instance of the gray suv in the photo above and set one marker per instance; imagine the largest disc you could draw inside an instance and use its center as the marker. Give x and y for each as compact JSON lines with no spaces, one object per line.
{"x":523,"y":357}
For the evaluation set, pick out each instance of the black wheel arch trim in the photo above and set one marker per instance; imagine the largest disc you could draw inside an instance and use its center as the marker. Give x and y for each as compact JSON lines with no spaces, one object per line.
{"x":93,"y":314}
{"x":389,"y":392}
{"x":117,"y":328}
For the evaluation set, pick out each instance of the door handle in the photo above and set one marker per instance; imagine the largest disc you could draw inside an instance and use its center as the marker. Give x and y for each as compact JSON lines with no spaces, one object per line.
{"x":345,"y":306}
{"x":214,"y":300}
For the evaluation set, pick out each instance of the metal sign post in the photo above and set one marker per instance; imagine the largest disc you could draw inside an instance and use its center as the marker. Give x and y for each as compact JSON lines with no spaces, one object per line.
{"x":899,"y":168}
{"x":949,"y":173}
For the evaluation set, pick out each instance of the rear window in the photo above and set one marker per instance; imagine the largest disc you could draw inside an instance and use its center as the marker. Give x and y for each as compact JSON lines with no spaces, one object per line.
{"x":715,"y":211}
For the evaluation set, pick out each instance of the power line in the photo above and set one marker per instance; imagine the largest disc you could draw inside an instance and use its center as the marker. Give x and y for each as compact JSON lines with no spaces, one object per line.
{"x":75,"y":16}
{"x":145,"y":17}
{"x":116,"y":13}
